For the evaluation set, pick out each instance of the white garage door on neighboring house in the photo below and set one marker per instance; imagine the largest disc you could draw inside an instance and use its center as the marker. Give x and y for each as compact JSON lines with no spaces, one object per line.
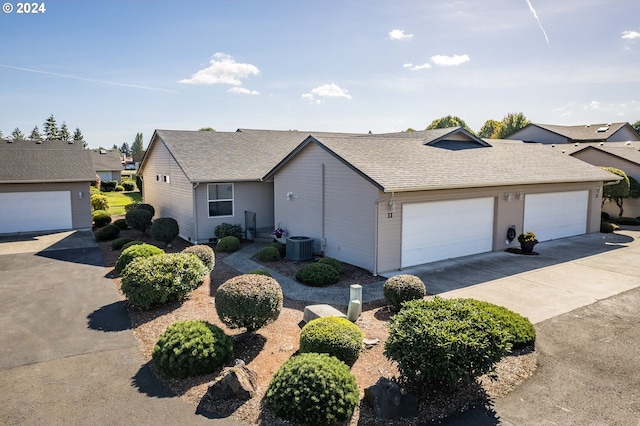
{"x":440,"y":230}
{"x":35,"y":211}
{"x":556,"y":215}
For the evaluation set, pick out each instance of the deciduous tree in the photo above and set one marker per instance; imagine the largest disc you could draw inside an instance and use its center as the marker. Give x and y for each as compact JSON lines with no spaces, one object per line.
{"x":510,"y":124}
{"x":448,"y":121}
{"x":618,"y":191}
{"x":489,"y":128}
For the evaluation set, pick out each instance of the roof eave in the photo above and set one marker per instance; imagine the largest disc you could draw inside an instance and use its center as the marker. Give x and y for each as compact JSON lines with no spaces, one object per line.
{"x":489,"y":185}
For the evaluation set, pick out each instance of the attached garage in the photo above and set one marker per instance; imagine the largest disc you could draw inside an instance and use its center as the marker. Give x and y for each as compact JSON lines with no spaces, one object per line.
{"x":556,"y":215}
{"x":35,"y":211}
{"x":440,"y":230}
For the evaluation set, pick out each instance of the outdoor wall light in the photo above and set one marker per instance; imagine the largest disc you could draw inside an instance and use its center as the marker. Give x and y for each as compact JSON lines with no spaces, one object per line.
{"x":520,"y":196}
{"x":507,"y":196}
{"x":80,"y":195}
{"x":289,"y":195}
{"x":392,"y":205}
{"x":598,"y":189}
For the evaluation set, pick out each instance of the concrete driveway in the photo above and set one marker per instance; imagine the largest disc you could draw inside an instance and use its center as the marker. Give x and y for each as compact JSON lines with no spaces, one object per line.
{"x":67,"y":354}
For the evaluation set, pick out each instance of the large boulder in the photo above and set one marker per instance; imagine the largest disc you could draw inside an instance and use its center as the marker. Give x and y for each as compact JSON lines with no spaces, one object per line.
{"x":237,"y":382}
{"x":390,"y":401}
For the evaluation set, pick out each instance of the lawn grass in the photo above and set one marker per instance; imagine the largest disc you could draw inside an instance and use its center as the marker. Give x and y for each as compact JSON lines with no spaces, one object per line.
{"x":117,"y":201}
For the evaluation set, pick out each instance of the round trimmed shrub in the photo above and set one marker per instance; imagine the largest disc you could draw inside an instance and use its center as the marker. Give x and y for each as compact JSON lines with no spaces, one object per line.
{"x":318,"y":275}
{"x":282,"y":248}
{"x":119,"y":188}
{"x":131,"y":206}
{"x":204,"y":253}
{"x":147,"y":207}
{"x":128,"y":185}
{"x":446,"y":341}
{"x":269,"y":254}
{"x":133,"y":252}
{"x":165,"y":229}
{"x":260,"y":272}
{"x":118,"y":243}
{"x":107,"y":233}
{"x":250,"y":301}
{"x":228,"y":244}
{"x":335,"y":263}
{"x":138,"y":219}
{"x":607,"y":227}
{"x":335,"y":336}
{"x":131,"y":243}
{"x":161,"y":278}
{"x":99,"y":202}
{"x":313,"y":389}
{"x":191,"y":348}
{"x":121,"y":223}
{"x":101,"y":218}
{"x":402,"y":288}
{"x":227,"y":229}
{"x":521,"y":332}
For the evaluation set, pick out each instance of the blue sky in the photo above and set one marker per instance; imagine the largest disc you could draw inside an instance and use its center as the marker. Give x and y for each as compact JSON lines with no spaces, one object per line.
{"x":115,"y":68}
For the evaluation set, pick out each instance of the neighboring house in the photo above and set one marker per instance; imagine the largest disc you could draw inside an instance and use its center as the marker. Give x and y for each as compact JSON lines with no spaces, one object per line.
{"x":44,"y":186}
{"x":621,"y":155}
{"x":554,"y":134}
{"x":108,"y":164}
{"x":387,"y":202}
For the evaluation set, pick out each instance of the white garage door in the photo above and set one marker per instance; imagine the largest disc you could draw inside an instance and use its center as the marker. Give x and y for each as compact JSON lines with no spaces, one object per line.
{"x":556,"y":215}
{"x":446,"y":229}
{"x":35,"y":211}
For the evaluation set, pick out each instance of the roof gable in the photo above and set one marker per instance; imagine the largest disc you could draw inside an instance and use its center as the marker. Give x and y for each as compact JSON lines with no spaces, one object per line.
{"x":585,"y":133}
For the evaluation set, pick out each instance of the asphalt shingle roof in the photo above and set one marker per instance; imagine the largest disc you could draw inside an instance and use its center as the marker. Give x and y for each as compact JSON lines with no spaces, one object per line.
{"x":110,"y":160}
{"x":583,"y":132}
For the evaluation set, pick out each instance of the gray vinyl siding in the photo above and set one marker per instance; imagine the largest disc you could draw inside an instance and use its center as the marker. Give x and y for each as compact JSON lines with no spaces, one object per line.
{"x":80,"y":207}
{"x":256,"y":197}
{"x":342,"y":226}
{"x":536,"y":134}
{"x":623,"y":135}
{"x":170,"y":199}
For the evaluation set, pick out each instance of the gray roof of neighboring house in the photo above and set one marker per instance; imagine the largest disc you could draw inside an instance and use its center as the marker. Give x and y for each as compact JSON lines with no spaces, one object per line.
{"x":629,"y":151}
{"x":51,"y":161}
{"x":589,"y":132}
{"x":106,"y":160}
{"x":404,"y":162}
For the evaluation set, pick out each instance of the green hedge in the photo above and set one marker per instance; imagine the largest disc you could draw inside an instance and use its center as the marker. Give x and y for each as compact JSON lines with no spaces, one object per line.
{"x":228,"y":244}
{"x":107,"y":233}
{"x":133,"y":251}
{"x":204,"y":253}
{"x":165,"y":229}
{"x":100,"y":218}
{"x":318,"y":275}
{"x":335,"y":336}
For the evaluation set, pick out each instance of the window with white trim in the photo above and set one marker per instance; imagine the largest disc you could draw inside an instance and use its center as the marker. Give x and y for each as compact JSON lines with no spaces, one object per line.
{"x":220,"y":198}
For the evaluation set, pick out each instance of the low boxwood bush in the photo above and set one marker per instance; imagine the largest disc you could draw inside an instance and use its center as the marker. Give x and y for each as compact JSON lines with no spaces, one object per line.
{"x":101,"y":218}
{"x":204,"y":253}
{"x":250,"y":301}
{"x":608,"y":227}
{"x":165,"y":229}
{"x":131,"y":243}
{"x":522,"y":334}
{"x":133,"y":252}
{"x":260,"y":272}
{"x":154,"y":280}
{"x":121,"y":223}
{"x":227,"y":230}
{"x":131,"y":206}
{"x":318,"y":275}
{"x":315,"y":389}
{"x":128,"y":185}
{"x":119,"y":188}
{"x":147,"y":207}
{"x":445,"y":341}
{"x":282,"y":248}
{"x":191,"y":348}
{"x":335,"y":263}
{"x":108,"y":185}
{"x":604,"y":215}
{"x":118,"y":243}
{"x":228,"y":244}
{"x":138,"y":219}
{"x":99,"y":202}
{"x":402,"y":288}
{"x":269,"y":254}
{"x":107,"y":233}
{"x":335,"y":336}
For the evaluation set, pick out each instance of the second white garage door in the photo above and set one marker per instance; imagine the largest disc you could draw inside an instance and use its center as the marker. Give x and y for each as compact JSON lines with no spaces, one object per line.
{"x":556,"y":215}
{"x":35,"y":211}
{"x":446,"y":229}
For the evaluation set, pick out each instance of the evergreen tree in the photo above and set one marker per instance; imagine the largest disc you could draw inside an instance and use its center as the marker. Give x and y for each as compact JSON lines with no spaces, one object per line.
{"x":124,"y":149}
{"x":35,"y":134}
{"x":51,"y":129}
{"x":137,"y":146}
{"x":1,"y":135}
{"x":114,"y":147}
{"x":17,"y":135}
{"x":64,"y":132}
{"x":636,"y":127}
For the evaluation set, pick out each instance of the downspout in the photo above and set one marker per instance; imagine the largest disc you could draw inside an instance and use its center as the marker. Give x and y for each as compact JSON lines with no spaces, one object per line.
{"x":195,"y":212}
{"x":323,"y":241}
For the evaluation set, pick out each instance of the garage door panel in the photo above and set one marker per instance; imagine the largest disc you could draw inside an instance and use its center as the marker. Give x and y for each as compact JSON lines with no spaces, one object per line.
{"x":556,"y":215}
{"x":35,"y":211}
{"x":446,"y":229}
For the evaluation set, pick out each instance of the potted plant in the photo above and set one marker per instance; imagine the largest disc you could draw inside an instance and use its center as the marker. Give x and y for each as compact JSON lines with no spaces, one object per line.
{"x":527,"y":242}
{"x":279,"y":234}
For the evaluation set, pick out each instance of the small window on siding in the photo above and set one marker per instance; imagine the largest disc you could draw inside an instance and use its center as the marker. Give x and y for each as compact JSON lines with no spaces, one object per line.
{"x":158,"y":178}
{"x":220,"y":197}
{"x":166,"y":179}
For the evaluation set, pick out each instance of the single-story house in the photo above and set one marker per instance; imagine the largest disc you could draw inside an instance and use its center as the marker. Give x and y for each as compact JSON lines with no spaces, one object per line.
{"x":589,"y":133}
{"x":387,"y":202}
{"x":621,"y":155}
{"x":108,"y":164}
{"x":44,"y":186}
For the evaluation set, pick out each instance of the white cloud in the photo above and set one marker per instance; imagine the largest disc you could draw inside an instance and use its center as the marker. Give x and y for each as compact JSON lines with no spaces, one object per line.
{"x":223,"y":70}
{"x":243,"y":91}
{"x":630,"y":35}
{"x":417,"y":67}
{"x":399,"y":35}
{"x":330,"y":90}
{"x":447,"y":61}
{"x":535,"y":15}
{"x":592,"y":105}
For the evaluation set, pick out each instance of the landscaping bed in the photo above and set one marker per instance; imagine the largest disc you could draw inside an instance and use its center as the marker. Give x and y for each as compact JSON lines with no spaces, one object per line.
{"x":275,"y":343}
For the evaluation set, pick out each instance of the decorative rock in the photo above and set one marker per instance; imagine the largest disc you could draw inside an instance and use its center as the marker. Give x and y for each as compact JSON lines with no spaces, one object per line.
{"x":390,"y":401}
{"x":370,"y":342}
{"x":237,"y":382}
{"x":318,"y":311}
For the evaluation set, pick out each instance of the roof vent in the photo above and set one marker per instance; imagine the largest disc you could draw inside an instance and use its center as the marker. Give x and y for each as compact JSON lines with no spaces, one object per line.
{"x":601,"y":143}
{"x":9,"y":140}
{"x":553,"y":145}
{"x":70,"y":142}
{"x":103,"y":151}
{"x":587,"y":126}
{"x":38,"y":141}
{"x":575,"y":144}
{"x":627,"y":143}
{"x":602,"y":129}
